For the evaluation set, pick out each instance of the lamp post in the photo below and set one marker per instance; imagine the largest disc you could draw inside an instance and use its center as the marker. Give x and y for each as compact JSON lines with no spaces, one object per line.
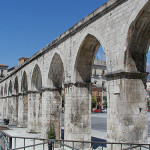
{"x":103,"y":84}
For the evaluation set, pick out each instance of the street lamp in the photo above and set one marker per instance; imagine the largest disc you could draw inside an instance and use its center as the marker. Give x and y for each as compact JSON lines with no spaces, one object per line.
{"x":103,"y":85}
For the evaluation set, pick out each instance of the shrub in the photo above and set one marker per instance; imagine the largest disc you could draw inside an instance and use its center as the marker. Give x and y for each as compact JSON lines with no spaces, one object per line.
{"x":93,"y":102}
{"x":51,"y":134}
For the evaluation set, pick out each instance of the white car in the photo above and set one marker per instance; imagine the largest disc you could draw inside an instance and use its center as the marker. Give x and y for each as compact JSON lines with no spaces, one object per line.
{"x":103,"y":110}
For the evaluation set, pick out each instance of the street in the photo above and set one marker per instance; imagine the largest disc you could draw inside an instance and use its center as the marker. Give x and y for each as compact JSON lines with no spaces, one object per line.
{"x":99,"y":122}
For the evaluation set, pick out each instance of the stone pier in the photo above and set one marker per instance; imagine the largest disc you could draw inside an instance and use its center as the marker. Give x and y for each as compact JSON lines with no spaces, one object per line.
{"x":127,"y":111}
{"x":35,"y":111}
{"x":51,"y":113}
{"x":77,"y":124}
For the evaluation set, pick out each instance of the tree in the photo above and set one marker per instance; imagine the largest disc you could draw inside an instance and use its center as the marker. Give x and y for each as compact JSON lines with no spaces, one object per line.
{"x":93,"y":102}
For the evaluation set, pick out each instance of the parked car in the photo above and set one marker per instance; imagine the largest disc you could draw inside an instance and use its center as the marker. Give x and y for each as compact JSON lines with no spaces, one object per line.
{"x":103,"y":111}
{"x":97,"y":110}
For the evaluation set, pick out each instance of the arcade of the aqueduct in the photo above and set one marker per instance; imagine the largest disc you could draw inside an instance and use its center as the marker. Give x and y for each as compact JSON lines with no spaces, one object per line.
{"x":31,"y":95}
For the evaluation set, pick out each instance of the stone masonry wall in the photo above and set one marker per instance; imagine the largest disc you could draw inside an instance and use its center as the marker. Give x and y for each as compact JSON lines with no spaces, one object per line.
{"x":110,"y":25}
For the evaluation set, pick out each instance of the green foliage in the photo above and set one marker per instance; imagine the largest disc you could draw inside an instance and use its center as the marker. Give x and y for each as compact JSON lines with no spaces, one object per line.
{"x":93,"y":102}
{"x":63,"y":100}
{"x":51,"y":133}
{"x":33,"y":132}
{"x":105,"y":104}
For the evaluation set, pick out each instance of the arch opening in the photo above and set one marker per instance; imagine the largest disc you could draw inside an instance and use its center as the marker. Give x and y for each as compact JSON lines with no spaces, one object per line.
{"x":78,"y":103}
{"x":15,"y":101}
{"x":24,"y":89}
{"x":2,"y":91}
{"x":85,"y":58}
{"x":56,"y":72}
{"x":24,"y":83}
{"x":5,"y":90}
{"x":138,"y":41}
{"x":16,"y":87}
{"x":55,"y":82}
{"x":10,"y":89}
{"x":36,"y":79}
{"x":10,"y":103}
{"x":91,"y":68}
{"x":5,"y":101}
{"x":36,"y":101}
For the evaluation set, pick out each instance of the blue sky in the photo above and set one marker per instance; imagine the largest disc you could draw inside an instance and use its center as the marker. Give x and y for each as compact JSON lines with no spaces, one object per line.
{"x":26,"y":26}
{"x":148,"y":57}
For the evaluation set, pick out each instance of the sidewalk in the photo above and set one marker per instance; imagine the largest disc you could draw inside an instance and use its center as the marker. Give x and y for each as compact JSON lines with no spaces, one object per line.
{"x":98,"y":136}
{"x":19,"y":142}
{"x":22,"y":132}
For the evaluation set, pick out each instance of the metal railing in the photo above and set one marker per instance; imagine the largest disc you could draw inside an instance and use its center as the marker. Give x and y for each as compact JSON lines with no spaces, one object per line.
{"x":101,"y":145}
{"x":5,"y":142}
{"x":8,"y":142}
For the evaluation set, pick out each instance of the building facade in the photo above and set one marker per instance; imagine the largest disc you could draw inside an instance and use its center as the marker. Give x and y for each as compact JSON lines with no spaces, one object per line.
{"x":99,"y":83}
{"x":3,"y":71}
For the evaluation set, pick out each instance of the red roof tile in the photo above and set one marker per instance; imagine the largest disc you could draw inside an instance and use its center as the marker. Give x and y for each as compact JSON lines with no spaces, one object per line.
{"x":3,"y":65}
{"x":23,"y":58}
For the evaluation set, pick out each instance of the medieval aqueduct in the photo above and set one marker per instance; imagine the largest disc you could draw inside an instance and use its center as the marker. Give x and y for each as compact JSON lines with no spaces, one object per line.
{"x":31,"y":94}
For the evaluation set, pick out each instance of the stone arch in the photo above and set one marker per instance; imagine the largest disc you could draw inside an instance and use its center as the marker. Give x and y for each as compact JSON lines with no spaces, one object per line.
{"x":15,"y":100}
{"x":10,"y":88}
{"x":61,"y":54}
{"x":10,"y":102}
{"x":1,"y":90}
{"x":78,"y":94}
{"x":24,"y":83}
{"x":36,"y":82}
{"x":55,"y":81}
{"x":98,"y":36}
{"x":24,"y":97}
{"x":5,"y":90}
{"x":133,"y":16}
{"x":16,"y":86}
{"x":56,"y":72}
{"x":133,"y":79}
{"x":1,"y":102}
{"x":138,"y":41}
{"x":35,"y":100}
{"x":5,"y":111}
{"x":85,"y":58}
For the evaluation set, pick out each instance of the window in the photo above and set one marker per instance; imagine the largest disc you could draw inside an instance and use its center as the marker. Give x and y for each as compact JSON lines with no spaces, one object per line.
{"x":2,"y":74}
{"x":103,"y":72}
{"x":95,"y":72}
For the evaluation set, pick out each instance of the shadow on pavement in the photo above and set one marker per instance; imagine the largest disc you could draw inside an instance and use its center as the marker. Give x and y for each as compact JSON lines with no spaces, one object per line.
{"x":93,"y":139}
